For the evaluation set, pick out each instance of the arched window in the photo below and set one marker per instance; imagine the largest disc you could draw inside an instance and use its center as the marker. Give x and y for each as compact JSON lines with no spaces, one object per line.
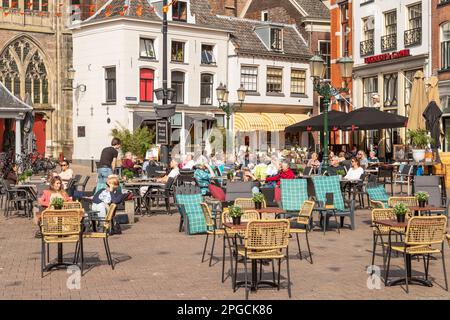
{"x":206,"y":91}
{"x":146,"y":85}
{"x":178,"y":86}
{"x":22,"y":71}
{"x":445,"y":46}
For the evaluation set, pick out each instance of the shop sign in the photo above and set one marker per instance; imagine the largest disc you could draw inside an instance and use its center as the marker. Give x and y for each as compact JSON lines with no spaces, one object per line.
{"x":162,"y":132}
{"x":387,"y":56}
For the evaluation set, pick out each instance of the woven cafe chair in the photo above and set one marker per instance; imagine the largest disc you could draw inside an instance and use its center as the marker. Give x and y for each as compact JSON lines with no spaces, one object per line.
{"x":302,"y":224}
{"x":61,"y":226}
{"x":72,"y":205}
{"x":408,"y":201}
{"x":212,"y":229}
{"x":424,"y":237}
{"x":374,"y":204}
{"x":265,"y":240}
{"x":380,"y":230}
{"x":247,"y":203}
{"x":104,"y":233}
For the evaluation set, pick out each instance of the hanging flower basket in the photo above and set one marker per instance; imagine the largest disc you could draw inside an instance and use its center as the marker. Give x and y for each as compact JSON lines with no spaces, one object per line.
{"x":165,"y":111}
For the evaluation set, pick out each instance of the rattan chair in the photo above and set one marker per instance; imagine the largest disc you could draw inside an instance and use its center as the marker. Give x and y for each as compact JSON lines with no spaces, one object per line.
{"x":302,"y":224}
{"x":249,"y":215}
{"x":374,"y":204}
{"x":212,"y":229}
{"x":408,"y":201}
{"x":424,"y":237}
{"x":72,"y":205}
{"x":380,"y":230}
{"x":247,"y":203}
{"x":58,"y":227}
{"x":104,"y":233}
{"x":265,"y":240}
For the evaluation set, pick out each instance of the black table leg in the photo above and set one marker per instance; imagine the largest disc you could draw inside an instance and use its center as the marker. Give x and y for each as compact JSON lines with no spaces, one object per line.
{"x":60,"y":262}
{"x":411,"y":280}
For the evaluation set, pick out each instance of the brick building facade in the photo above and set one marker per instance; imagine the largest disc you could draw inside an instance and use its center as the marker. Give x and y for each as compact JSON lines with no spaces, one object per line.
{"x":440,"y":29}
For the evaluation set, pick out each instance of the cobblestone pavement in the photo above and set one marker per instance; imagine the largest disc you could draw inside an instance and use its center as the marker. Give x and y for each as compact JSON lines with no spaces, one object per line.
{"x":155,"y":261}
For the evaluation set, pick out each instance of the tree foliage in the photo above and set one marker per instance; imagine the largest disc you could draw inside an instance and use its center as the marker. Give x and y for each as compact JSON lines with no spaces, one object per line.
{"x":136,"y":142}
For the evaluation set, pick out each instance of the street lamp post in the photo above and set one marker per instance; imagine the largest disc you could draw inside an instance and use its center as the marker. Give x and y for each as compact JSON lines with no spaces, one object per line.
{"x":227,"y":107}
{"x":327,"y":91}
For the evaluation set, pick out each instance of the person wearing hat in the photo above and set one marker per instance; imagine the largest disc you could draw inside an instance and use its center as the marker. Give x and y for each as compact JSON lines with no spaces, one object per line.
{"x":376,"y":100}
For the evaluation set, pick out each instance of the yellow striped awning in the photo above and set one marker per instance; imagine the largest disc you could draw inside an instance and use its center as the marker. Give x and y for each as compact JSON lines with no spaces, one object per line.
{"x":265,"y":121}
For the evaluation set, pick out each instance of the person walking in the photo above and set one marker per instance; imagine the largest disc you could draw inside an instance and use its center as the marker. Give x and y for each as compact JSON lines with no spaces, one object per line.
{"x":107,"y":162}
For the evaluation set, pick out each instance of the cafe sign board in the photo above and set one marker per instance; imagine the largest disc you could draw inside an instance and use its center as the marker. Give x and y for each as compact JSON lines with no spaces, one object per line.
{"x":162,"y":132}
{"x":387,"y":56}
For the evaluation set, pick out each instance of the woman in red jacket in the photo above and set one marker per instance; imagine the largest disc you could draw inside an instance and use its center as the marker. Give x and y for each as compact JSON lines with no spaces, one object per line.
{"x":285,"y":173}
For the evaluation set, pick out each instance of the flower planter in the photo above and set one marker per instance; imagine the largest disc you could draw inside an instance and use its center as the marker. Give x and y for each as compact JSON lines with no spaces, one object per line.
{"x":236,"y":220}
{"x":401,"y":218}
{"x":422,"y":204}
{"x":418,"y":154}
{"x":258,"y":205}
{"x":166,"y":111}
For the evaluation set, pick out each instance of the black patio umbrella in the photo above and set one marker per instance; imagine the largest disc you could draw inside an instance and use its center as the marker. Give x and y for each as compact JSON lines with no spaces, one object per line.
{"x":367,"y":118}
{"x":432,"y":115}
{"x":335,"y":118}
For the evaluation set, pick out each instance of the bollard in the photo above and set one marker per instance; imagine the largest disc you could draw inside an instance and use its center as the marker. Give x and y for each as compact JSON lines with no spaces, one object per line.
{"x":92,"y":165}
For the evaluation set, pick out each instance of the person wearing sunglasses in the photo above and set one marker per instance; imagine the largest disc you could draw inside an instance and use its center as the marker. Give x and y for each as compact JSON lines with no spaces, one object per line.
{"x":66,"y":173}
{"x":355,"y":171}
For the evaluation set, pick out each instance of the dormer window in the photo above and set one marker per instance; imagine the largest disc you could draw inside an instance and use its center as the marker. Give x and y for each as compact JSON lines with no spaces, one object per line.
{"x":264,"y":15}
{"x":179,"y":11}
{"x":276,"y":39}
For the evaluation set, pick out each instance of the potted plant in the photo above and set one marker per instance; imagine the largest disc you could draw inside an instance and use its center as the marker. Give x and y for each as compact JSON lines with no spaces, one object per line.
{"x":300,"y":169}
{"x":340,"y":173}
{"x":419,"y":140}
{"x":22,"y":177}
{"x":128,"y":174}
{"x":57,"y":203}
{"x":258,"y":199}
{"x":422,"y":197}
{"x":230,"y":175}
{"x":235,"y":213}
{"x":400,"y":211}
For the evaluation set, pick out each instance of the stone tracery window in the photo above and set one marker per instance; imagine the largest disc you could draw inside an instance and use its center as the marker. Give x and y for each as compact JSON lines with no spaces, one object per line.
{"x":22,"y":71}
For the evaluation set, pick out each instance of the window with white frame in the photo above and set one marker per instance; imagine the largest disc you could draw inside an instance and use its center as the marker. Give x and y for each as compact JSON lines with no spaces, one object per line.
{"x":208,"y":54}
{"x":178,"y":85}
{"x":146,"y":48}
{"x":206,"y":89}
{"x":325,"y":53}
{"x":110,"y":82}
{"x":370,"y":87}
{"x":298,"y":81}
{"x":31,"y":5}
{"x":415,"y":16}
{"x":276,"y":39}
{"x":10,"y":3}
{"x":264,"y":15}
{"x":390,"y":22}
{"x":179,"y":11}
{"x":445,"y":46}
{"x":177,"y":53}
{"x":274,"y":80}
{"x":390,"y":90}
{"x":249,"y":78}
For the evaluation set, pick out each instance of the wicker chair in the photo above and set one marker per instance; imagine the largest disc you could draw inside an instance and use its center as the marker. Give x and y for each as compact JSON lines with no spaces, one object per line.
{"x":107,"y":224}
{"x":301,"y":224}
{"x":212,"y":229}
{"x":247,"y":203}
{"x":408,"y":201}
{"x":376,"y":204}
{"x":249,"y":215}
{"x":72,"y":205}
{"x":380,"y":230}
{"x":424,"y":237}
{"x":58,"y":227}
{"x":265,"y":240}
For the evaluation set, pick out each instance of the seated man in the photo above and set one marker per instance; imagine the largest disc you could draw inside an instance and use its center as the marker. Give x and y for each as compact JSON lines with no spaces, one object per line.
{"x":334,"y":166}
{"x":203,"y":175}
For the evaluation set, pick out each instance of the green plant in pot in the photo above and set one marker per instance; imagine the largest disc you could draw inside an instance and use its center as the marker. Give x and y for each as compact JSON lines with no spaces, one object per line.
{"x":230,"y":175}
{"x":128,"y":174}
{"x":419,"y":140}
{"x":340,"y":172}
{"x":235,"y":212}
{"x":22,"y":177}
{"x":258,"y":199}
{"x":422,"y":198}
{"x":400,"y":211}
{"x":57,"y":203}
{"x":28,"y":172}
{"x":300,"y":169}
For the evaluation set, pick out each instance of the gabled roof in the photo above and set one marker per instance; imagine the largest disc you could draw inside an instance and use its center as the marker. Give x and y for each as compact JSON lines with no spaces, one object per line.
{"x":134,"y":8}
{"x":314,"y":8}
{"x":9,"y":104}
{"x":247,"y":41}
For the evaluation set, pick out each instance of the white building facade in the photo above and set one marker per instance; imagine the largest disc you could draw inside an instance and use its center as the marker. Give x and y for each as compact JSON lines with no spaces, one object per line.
{"x":118,"y":58}
{"x":391,"y":41}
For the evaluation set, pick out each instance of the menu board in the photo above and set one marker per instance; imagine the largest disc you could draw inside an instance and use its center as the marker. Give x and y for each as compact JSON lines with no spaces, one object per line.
{"x":162,"y":132}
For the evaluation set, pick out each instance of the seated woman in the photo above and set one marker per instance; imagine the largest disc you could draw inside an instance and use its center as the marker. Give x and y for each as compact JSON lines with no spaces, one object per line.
{"x":55,"y":190}
{"x":285,"y":173}
{"x":203,"y":175}
{"x":129,"y":163}
{"x":104,"y":197}
{"x":372,"y":157}
{"x":66,"y":173}
{"x":355,"y":171}
{"x":314,"y":162}
{"x":11,"y":176}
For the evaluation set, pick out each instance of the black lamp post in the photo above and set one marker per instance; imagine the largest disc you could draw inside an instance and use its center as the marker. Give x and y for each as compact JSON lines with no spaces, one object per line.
{"x":165,"y":111}
{"x":326,"y":91}
{"x":227,"y":107}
